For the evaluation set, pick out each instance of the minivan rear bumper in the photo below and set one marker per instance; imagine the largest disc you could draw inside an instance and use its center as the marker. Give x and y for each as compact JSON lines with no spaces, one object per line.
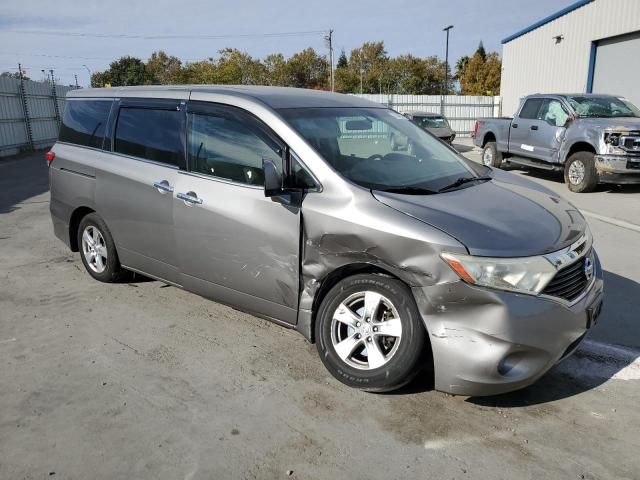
{"x":487,"y":342}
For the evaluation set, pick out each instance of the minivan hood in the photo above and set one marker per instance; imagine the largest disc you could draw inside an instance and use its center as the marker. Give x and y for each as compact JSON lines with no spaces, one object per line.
{"x":506,"y":217}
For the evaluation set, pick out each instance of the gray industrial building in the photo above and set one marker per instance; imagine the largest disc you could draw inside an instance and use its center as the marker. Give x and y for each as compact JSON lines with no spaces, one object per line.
{"x":589,"y":46}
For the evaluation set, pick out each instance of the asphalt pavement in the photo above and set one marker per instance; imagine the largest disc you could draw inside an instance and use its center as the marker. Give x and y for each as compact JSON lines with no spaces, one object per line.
{"x":142,"y":380}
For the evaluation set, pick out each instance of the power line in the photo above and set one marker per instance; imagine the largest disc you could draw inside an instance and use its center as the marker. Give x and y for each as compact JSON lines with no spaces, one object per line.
{"x":53,"y":56}
{"x":173,"y":36}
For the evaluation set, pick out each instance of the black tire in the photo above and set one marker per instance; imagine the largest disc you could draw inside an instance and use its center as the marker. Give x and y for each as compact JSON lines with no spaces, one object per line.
{"x":496,"y":156}
{"x":590,"y":179}
{"x":112,"y":270}
{"x":403,"y":364}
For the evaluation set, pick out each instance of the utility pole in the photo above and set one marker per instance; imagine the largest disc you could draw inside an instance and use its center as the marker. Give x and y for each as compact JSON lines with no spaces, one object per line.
{"x":446,"y":68}
{"x":361,"y":71}
{"x":329,"y":39}
{"x":76,"y":77}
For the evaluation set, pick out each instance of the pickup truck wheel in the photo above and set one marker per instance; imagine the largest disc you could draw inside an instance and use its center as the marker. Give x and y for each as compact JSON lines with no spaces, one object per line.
{"x":491,"y":157}
{"x":580,"y":173}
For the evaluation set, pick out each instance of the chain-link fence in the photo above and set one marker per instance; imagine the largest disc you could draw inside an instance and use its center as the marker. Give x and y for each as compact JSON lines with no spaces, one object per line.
{"x":29,"y":114}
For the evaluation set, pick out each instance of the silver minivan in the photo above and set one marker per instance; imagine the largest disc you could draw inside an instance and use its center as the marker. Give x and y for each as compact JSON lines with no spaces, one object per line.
{"x":292,"y":205}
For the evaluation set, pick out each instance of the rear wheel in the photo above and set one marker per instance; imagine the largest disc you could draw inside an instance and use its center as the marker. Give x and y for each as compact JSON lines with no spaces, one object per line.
{"x":369,"y":333}
{"x":580,"y":172}
{"x":97,"y":249}
{"x":491,"y":157}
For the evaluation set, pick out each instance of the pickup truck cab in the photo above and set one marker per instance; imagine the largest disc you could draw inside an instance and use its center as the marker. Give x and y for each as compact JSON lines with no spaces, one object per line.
{"x":591,"y":138}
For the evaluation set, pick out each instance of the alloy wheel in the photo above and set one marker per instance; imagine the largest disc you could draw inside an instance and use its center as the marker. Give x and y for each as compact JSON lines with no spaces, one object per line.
{"x":94,"y":249}
{"x":366,"y":330}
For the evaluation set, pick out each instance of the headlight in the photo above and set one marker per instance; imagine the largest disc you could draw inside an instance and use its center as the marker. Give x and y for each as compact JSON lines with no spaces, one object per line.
{"x":612,"y":144}
{"x":526,"y":274}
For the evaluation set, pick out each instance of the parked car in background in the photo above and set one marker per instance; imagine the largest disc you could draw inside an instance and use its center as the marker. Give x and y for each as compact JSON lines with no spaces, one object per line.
{"x":433,"y":123}
{"x":591,"y":138}
{"x":286,"y":203}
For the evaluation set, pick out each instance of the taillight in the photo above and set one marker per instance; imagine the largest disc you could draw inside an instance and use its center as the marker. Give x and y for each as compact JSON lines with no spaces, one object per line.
{"x":49,"y":156}
{"x":475,"y":129}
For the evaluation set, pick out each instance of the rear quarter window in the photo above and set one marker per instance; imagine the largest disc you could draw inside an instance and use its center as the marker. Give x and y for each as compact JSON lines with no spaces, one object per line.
{"x":152,"y":134}
{"x":84,"y":122}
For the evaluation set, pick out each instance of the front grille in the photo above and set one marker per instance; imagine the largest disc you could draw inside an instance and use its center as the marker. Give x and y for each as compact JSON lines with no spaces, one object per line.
{"x":633,"y":164}
{"x":570,"y":282}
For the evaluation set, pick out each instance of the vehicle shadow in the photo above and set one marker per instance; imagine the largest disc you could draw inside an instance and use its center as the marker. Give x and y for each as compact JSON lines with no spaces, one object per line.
{"x":21,"y":177}
{"x":558,"y":177}
{"x":462,"y":148}
{"x":588,"y":368}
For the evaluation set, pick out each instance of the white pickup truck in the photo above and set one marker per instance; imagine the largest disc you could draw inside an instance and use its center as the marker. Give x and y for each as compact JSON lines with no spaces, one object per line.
{"x":591,"y":138}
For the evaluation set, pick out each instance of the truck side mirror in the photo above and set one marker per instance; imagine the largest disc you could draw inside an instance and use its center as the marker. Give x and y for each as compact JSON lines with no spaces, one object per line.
{"x":272,"y":179}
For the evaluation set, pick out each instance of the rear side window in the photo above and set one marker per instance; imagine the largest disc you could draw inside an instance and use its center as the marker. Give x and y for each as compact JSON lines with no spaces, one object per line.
{"x":150,"y":134}
{"x":531,"y":107}
{"x":84,"y":122}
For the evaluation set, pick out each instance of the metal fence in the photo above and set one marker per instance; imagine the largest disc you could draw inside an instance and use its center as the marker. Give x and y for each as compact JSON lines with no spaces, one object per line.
{"x":29,"y":114}
{"x":461,"y":111}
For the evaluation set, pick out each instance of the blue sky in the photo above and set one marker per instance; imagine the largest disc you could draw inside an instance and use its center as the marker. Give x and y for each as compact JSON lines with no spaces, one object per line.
{"x":406,"y":26}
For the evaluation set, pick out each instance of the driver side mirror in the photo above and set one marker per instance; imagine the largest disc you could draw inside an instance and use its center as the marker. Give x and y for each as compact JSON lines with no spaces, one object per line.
{"x":272,"y":179}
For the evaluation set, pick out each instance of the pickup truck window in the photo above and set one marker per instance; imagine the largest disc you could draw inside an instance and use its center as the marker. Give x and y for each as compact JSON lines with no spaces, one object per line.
{"x":604,"y":106}
{"x":530,"y":108}
{"x":553,"y":113}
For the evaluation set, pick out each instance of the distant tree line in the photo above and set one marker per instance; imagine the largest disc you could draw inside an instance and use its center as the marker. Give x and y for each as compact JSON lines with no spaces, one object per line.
{"x":367,"y":69}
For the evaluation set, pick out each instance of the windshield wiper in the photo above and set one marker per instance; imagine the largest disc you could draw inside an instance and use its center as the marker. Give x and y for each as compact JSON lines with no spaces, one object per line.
{"x":409,"y":190}
{"x":462,"y":181}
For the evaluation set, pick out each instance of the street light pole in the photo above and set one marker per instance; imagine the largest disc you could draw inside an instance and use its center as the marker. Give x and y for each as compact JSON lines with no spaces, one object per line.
{"x":89,"y":72}
{"x":446,"y":68}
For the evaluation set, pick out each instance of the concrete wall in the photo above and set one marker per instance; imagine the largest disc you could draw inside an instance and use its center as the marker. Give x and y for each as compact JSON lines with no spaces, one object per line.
{"x":534,"y":63}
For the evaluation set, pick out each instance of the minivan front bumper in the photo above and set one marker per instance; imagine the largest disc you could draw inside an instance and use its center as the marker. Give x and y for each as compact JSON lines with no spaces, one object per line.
{"x":487,"y":342}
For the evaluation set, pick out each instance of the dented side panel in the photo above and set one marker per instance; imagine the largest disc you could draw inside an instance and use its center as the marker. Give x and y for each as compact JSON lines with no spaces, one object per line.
{"x":342,"y":228}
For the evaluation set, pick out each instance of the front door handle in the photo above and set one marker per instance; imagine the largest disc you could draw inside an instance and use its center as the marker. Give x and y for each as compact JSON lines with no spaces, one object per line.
{"x":189,"y":198}
{"x":163,"y":187}
{"x":534,"y":127}
{"x":515,"y":125}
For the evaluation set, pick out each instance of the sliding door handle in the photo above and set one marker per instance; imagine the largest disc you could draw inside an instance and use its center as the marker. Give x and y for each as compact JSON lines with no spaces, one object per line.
{"x":189,"y":198}
{"x":163,"y":187}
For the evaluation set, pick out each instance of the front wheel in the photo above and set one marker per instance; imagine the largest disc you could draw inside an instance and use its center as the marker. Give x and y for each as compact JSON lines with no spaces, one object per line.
{"x":369,"y":333}
{"x":580,"y":172}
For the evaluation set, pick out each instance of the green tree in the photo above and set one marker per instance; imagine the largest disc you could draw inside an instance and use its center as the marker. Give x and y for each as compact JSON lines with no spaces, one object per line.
{"x":100,"y":79}
{"x":239,"y":68}
{"x":276,"y":69}
{"x":122,"y":72}
{"x":162,"y":69}
{"x":307,"y":69}
{"x":14,"y":75}
{"x":342,"y":60}
{"x":481,"y":51}
{"x":482,"y":75}
{"x":461,"y":65}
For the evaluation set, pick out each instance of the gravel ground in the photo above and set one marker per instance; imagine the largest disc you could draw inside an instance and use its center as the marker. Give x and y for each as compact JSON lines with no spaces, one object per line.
{"x":143,"y":380}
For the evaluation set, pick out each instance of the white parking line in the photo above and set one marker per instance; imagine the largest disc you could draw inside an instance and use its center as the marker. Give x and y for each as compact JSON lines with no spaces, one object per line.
{"x":602,"y":360}
{"x":612,"y":221}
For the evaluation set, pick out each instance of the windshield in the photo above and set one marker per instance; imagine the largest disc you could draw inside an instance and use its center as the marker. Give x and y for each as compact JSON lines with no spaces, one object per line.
{"x":603,"y":107}
{"x":379,"y":149}
{"x":431,"y":122}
